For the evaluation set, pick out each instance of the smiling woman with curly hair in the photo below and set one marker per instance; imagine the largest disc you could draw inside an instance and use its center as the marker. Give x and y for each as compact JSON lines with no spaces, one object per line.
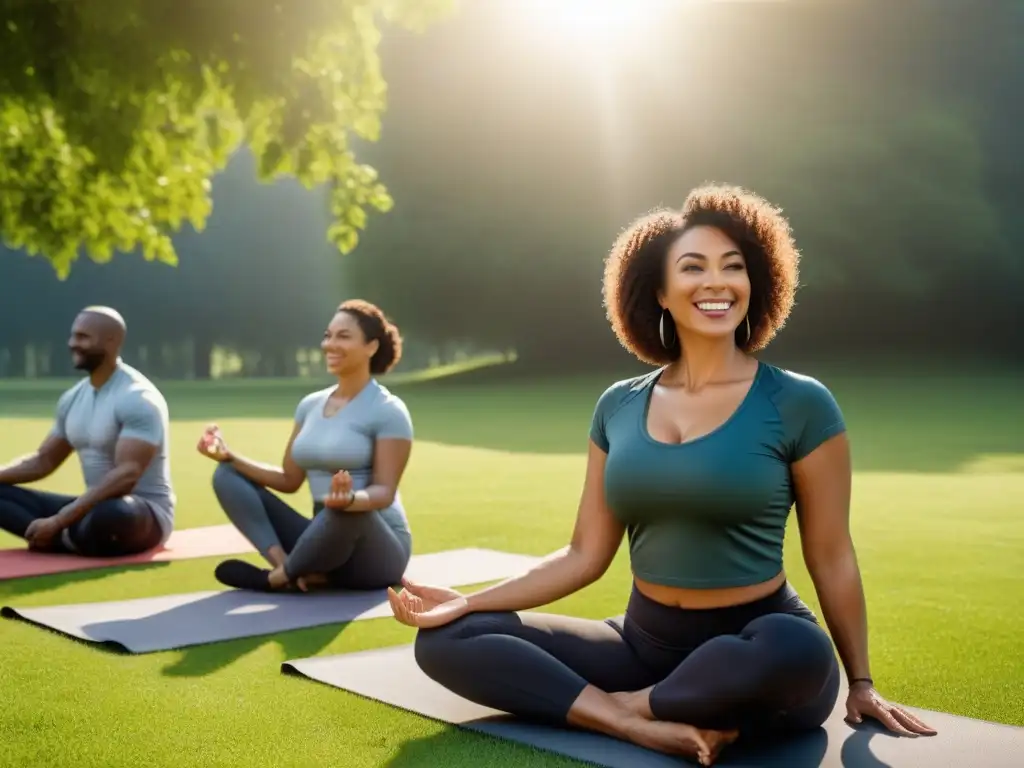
{"x":699,"y":462}
{"x":635,"y":272}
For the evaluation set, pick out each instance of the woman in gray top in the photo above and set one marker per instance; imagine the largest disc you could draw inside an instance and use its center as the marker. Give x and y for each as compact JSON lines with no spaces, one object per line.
{"x":352,"y":442}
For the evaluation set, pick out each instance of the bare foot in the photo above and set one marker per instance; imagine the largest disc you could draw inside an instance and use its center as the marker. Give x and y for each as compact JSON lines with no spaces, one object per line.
{"x":312,"y":581}
{"x":278,"y":578}
{"x":717,"y":741}
{"x":635,"y":702}
{"x":682,"y":739}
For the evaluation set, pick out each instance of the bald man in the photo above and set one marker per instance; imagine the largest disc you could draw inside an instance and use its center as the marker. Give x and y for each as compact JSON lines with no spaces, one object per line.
{"x":116,"y":420}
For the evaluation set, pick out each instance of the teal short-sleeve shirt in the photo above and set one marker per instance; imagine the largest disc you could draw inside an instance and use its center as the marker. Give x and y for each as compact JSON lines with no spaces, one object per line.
{"x":711,"y":512}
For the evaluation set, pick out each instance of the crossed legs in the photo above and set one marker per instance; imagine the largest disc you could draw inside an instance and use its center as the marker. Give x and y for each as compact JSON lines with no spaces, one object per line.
{"x":113,"y":528}
{"x":780,"y":673}
{"x":349,"y":550}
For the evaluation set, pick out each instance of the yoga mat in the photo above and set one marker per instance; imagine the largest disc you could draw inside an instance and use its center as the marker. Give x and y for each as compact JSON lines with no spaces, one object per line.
{"x":177,"y":621}
{"x":210,"y":541}
{"x":391,"y":676}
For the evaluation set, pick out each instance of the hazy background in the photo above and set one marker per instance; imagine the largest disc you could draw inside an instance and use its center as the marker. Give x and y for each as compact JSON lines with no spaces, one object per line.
{"x":515,"y":149}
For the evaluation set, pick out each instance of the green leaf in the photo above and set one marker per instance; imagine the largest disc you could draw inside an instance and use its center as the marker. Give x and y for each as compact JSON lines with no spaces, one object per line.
{"x":117,"y":114}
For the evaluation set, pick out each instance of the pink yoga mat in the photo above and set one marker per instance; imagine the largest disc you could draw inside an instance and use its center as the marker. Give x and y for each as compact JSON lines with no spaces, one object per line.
{"x":210,"y":541}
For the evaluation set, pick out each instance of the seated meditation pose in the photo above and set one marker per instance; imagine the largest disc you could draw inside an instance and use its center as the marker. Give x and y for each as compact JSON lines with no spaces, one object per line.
{"x":352,"y":442}
{"x":116,"y":420}
{"x":699,"y":462}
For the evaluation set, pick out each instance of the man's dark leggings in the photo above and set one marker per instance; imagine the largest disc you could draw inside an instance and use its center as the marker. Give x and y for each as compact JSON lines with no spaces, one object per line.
{"x":113,"y":528}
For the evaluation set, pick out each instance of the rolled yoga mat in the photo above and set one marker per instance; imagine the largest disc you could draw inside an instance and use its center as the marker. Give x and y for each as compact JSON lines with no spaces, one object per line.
{"x":177,"y":621}
{"x":391,"y":676}
{"x":187,"y":544}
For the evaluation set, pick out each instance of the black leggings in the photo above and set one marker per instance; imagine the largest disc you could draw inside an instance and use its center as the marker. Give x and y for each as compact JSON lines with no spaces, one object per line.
{"x":761,"y":667}
{"x":113,"y":528}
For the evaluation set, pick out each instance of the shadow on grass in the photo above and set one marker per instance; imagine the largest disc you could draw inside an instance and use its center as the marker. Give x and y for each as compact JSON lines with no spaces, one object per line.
{"x":460,"y":748}
{"x":206,"y":659}
{"x":193,"y":661}
{"x":463,"y":746}
{"x":897,"y":422}
{"x":201,"y":660}
{"x":11,"y":589}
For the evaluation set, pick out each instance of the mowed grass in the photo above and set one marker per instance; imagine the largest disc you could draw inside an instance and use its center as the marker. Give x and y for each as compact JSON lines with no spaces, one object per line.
{"x":936,"y":516}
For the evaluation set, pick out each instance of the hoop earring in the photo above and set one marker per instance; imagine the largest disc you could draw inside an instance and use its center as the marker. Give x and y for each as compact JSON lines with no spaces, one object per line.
{"x":661,"y":328}
{"x":748,"y":329}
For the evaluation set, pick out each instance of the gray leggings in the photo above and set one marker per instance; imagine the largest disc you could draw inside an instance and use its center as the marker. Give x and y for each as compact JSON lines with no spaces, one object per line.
{"x":355,"y":550}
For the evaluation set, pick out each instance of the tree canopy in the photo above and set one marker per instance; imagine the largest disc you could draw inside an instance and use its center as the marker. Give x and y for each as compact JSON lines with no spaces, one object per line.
{"x":116,"y":114}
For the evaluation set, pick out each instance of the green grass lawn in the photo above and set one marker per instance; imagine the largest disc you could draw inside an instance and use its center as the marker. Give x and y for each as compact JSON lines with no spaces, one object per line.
{"x":936,"y":511}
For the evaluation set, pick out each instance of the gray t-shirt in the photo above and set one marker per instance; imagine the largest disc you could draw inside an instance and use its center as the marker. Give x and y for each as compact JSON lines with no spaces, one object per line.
{"x":346,"y":440}
{"x":128,"y":406}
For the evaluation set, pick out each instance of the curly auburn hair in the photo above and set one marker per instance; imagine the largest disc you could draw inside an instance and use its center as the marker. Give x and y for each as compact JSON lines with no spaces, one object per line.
{"x":634,"y":270}
{"x":376,"y":327}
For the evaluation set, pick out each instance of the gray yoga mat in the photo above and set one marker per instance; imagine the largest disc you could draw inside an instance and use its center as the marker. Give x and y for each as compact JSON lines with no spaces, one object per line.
{"x":390,"y":675}
{"x":177,"y":621}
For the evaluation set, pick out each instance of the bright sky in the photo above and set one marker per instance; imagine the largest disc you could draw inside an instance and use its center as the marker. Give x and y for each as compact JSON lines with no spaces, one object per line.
{"x":589,"y":24}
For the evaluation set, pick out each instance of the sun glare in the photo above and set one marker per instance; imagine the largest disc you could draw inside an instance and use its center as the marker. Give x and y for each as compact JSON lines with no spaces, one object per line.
{"x":586,"y":23}
{"x":590,"y":17}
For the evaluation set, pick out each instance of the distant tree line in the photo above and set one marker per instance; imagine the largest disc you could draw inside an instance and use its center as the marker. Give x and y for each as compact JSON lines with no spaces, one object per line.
{"x":890,"y":136}
{"x":888,"y":133}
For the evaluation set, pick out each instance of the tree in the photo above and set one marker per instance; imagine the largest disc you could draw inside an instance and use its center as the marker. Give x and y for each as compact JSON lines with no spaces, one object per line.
{"x":504,"y":214}
{"x":115,"y":114}
{"x":259,"y":281}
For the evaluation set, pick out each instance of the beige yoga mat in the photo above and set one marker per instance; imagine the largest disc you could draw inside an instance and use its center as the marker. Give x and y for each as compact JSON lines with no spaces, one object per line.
{"x":391,"y":676}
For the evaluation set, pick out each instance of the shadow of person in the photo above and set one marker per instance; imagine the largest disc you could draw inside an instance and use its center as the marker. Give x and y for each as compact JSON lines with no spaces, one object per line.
{"x":856,"y":751}
{"x":456,"y":746}
{"x":517,"y":741}
{"x":213,"y":629}
{"x":802,"y":750}
{"x":201,"y":660}
{"x":35,"y":585}
{"x":178,"y":621}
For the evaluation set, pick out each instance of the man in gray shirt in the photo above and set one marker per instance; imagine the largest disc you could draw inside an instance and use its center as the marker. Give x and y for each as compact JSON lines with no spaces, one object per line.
{"x":116,"y":420}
